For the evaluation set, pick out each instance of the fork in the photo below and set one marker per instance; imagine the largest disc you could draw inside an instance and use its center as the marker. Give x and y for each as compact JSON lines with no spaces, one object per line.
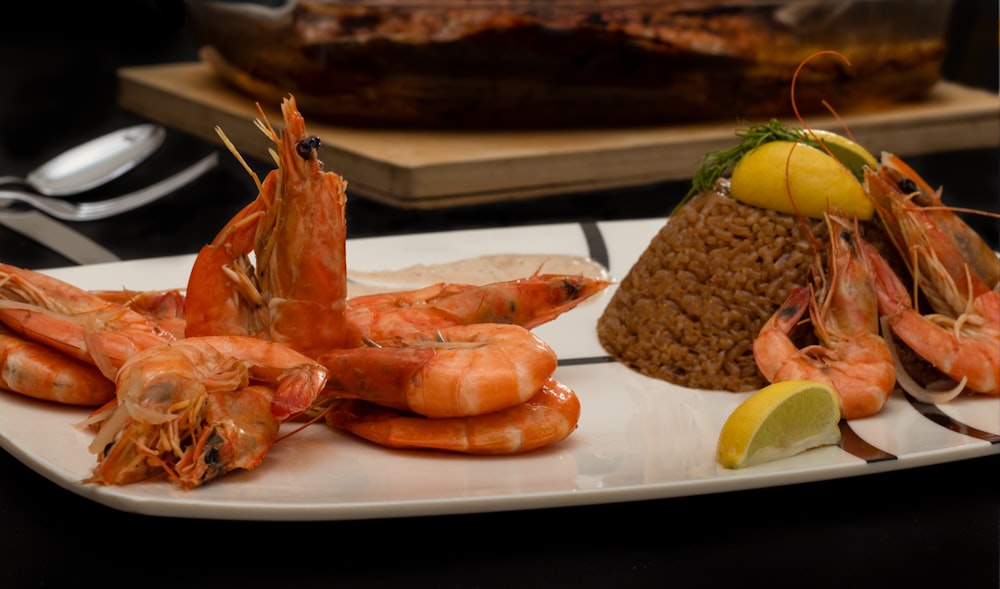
{"x":102,"y":209}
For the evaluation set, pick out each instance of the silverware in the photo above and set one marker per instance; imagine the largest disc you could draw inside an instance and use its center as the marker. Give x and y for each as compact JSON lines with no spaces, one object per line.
{"x":56,"y":236}
{"x":93,"y":163}
{"x":101,"y":209}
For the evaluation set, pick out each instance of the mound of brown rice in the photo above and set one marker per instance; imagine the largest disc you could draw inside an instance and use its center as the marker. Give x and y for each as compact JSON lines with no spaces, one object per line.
{"x":689,"y":309}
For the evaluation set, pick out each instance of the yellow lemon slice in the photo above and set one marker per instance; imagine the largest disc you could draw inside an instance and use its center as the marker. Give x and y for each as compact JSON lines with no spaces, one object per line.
{"x":814,"y":180}
{"x":780,"y":420}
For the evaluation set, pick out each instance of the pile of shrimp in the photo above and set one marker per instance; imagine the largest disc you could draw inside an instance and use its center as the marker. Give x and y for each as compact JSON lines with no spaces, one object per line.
{"x":863,"y":312}
{"x":190,"y":385}
{"x":860,"y":309}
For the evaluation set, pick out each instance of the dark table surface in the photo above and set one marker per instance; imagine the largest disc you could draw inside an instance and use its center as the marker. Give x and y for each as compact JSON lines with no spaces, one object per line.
{"x":925,"y":526}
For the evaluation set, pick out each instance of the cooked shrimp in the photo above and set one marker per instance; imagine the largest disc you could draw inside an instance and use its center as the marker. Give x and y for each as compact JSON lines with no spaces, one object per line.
{"x":74,"y":321}
{"x":851,"y":357}
{"x":200,"y":407}
{"x":293,"y":288}
{"x":965,"y":346}
{"x":527,"y":302}
{"x":954,"y":270}
{"x":938,"y":263}
{"x":38,"y":371}
{"x":455,"y":371}
{"x":899,"y":192}
{"x":547,"y":417}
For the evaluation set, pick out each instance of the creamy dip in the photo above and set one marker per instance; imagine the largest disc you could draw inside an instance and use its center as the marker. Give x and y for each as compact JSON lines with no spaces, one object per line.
{"x":477,"y":270}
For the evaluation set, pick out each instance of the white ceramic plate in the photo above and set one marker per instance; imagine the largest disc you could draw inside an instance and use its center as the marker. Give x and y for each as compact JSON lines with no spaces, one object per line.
{"x":637,"y":439}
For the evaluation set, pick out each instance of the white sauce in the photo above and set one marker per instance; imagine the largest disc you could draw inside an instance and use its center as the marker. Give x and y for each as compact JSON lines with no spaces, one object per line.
{"x":477,"y":270}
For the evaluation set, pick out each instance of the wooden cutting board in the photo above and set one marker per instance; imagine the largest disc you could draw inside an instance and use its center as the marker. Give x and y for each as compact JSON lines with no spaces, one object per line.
{"x":428,"y":169}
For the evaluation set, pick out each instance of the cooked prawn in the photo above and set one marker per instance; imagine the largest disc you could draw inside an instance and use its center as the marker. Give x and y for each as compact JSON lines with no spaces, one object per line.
{"x":197,"y":408}
{"x":965,"y":346}
{"x":898,"y":191}
{"x":455,"y":371}
{"x":528,"y":302}
{"x":293,"y":290}
{"x":952,"y":268}
{"x":937,"y":262}
{"x":851,"y":356}
{"x":38,"y":371}
{"x":74,"y":321}
{"x":547,"y":417}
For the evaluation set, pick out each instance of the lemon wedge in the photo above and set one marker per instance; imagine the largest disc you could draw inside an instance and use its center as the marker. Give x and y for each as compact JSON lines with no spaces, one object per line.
{"x":775,"y":174}
{"x":780,"y":420}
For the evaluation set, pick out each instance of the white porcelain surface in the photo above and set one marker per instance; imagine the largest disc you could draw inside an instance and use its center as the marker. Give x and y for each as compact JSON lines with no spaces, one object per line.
{"x":637,"y":439}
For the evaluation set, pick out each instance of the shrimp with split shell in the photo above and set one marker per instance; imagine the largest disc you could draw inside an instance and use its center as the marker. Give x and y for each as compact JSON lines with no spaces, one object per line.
{"x":547,"y":417}
{"x":200,"y":407}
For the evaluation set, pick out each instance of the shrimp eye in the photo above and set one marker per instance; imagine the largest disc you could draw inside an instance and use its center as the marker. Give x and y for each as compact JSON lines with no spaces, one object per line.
{"x":212,"y":457}
{"x":305,"y":147}
{"x":572,"y":288}
{"x":907,"y":186}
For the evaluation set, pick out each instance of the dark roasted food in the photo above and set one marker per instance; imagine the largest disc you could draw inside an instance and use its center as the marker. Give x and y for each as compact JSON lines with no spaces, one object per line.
{"x":516,"y":63}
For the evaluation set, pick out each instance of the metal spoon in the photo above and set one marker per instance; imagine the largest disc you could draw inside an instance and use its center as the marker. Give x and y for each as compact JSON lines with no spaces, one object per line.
{"x":93,"y":163}
{"x":102,"y":209}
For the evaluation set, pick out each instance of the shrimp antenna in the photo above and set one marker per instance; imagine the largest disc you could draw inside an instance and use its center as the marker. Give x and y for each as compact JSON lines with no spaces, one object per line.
{"x":306,"y":423}
{"x":239,"y":157}
{"x":265,"y":127}
{"x":812,"y":135}
{"x":826,"y":104}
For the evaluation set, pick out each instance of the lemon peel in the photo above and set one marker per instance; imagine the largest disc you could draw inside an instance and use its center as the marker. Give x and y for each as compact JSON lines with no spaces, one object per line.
{"x":853,"y":156}
{"x":780,"y":420}
{"x":798,"y":179}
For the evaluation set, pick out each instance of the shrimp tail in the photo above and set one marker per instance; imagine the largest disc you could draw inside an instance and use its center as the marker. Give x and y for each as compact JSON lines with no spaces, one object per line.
{"x":773,"y":346}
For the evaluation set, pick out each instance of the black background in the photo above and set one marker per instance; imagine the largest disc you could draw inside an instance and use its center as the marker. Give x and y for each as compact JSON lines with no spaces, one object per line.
{"x":925,"y":526}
